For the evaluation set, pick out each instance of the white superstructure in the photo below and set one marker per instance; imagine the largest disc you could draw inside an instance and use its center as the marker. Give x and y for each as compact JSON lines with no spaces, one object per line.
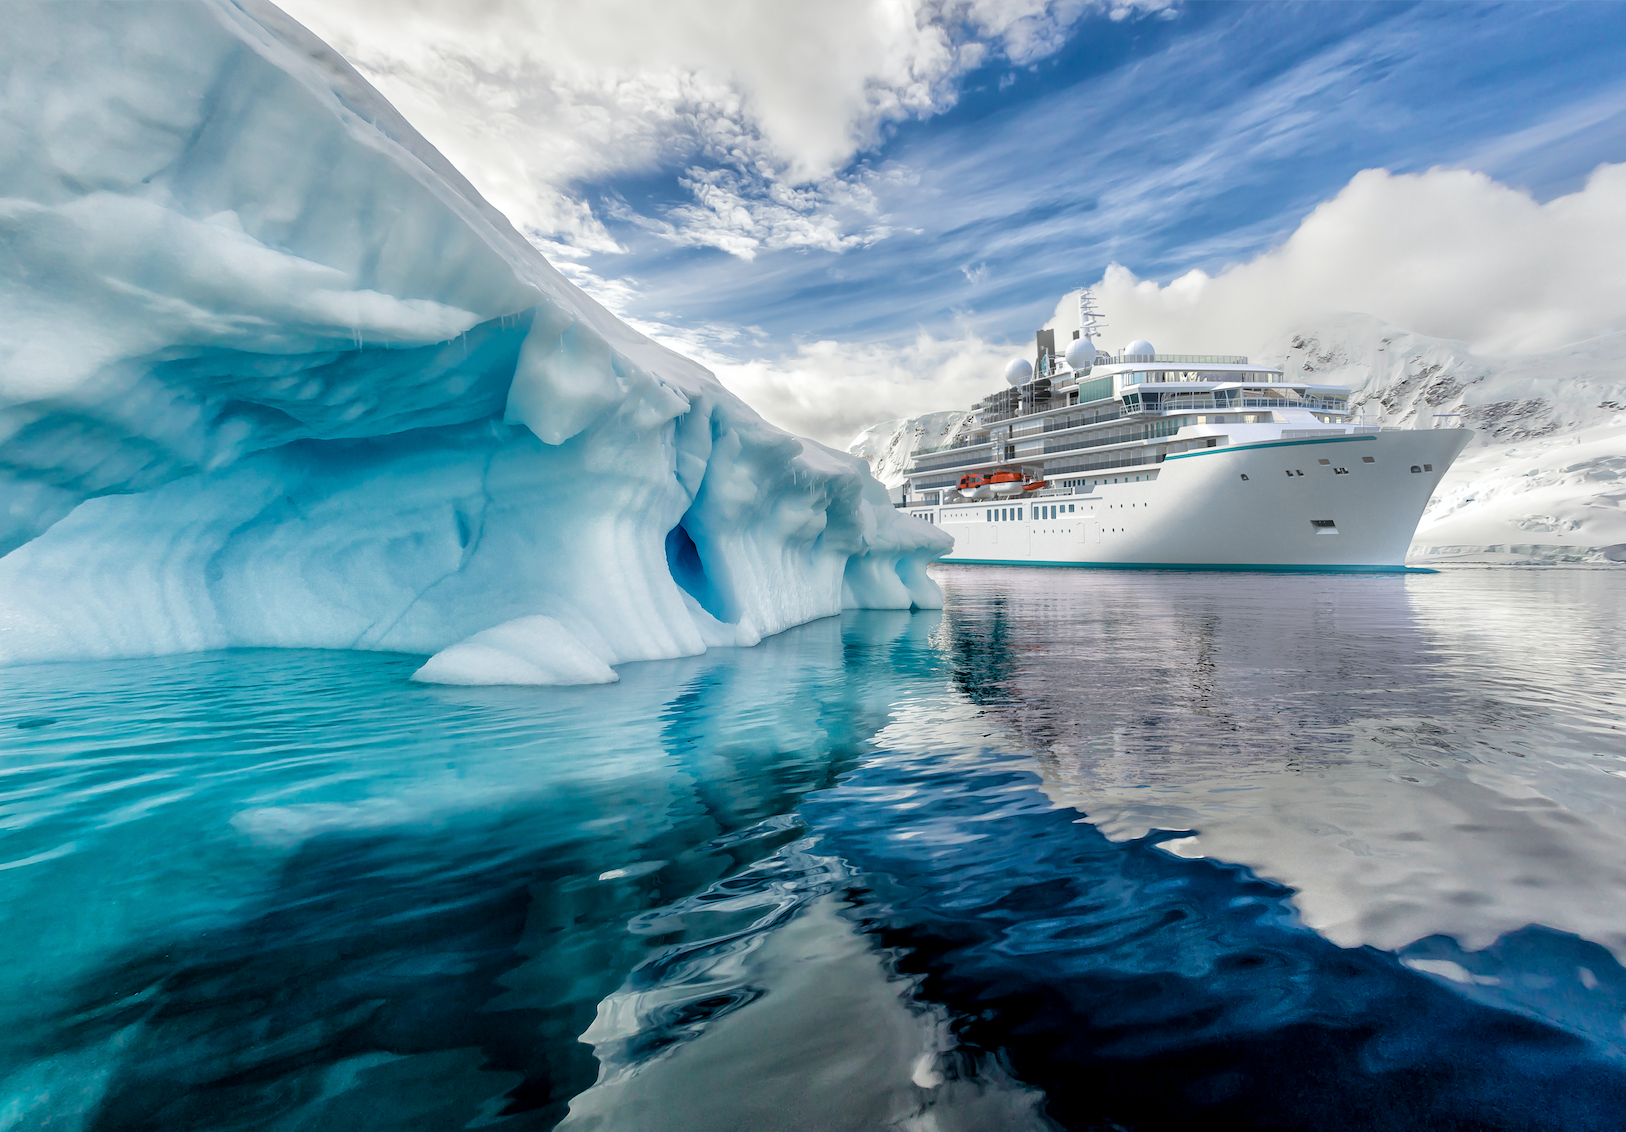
{"x":1147,"y":459}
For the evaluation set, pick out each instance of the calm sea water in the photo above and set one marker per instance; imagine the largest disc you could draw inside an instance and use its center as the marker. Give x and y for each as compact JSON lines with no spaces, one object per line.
{"x":1085,"y":850}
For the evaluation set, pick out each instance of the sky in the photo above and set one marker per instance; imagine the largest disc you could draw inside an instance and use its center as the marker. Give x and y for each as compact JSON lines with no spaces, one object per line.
{"x":857,"y":210}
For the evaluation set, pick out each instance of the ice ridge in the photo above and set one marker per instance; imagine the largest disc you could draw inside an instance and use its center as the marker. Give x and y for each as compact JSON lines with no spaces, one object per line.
{"x":272,"y":373}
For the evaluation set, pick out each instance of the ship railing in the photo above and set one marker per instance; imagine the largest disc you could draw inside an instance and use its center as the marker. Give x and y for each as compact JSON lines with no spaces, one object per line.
{"x":1187,"y":404}
{"x":1056,"y":424}
{"x":1178,"y":359}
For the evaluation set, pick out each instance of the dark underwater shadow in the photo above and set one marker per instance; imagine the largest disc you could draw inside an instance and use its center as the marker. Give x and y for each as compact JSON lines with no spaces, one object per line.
{"x":1142,"y":990}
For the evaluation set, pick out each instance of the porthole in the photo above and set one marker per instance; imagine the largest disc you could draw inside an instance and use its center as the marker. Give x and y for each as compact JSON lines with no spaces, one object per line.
{"x":1415,"y":468}
{"x":1244,"y":475}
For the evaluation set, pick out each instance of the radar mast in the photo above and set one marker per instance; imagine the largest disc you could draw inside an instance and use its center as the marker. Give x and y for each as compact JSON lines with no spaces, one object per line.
{"x":1089,"y":319}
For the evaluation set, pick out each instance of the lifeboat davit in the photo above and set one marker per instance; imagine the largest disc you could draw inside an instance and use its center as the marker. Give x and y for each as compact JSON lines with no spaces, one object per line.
{"x":996,"y":485}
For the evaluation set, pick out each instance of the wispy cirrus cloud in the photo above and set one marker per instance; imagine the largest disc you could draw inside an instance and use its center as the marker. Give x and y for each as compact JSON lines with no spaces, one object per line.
{"x":757,"y":110}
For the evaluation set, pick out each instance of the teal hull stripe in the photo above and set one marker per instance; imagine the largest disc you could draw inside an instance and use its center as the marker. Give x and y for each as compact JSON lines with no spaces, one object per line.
{"x":1246,"y":566}
{"x":1268,"y":444}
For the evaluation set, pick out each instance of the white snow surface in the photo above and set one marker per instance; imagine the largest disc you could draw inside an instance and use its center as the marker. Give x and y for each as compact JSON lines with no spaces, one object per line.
{"x":890,"y":447}
{"x":273,"y":374}
{"x":1544,"y":479}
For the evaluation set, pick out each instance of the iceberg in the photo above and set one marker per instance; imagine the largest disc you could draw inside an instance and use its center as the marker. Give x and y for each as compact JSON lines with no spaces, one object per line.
{"x":272,"y":373}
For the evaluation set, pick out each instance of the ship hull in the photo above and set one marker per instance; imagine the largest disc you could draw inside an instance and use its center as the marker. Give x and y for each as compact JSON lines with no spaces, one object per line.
{"x":1332,"y":503}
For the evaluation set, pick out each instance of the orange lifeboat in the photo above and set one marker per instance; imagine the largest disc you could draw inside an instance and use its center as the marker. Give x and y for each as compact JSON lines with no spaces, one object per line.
{"x":1000,"y":484}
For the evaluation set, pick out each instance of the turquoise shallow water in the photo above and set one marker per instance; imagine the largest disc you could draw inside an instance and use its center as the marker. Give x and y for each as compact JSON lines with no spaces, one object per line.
{"x":1083,"y":850}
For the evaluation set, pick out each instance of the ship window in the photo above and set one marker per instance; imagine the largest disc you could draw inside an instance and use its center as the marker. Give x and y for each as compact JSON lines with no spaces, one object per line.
{"x":1368,"y":460}
{"x":1415,"y":468}
{"x":1428,"y":467}
{"x":1070,"y":508}
{"x":1018,"y":512}
{"x":1323,"y":461}
{"x":1244,"y":475}
{"x":1324,"y":524}
{"x":1289,"y":473}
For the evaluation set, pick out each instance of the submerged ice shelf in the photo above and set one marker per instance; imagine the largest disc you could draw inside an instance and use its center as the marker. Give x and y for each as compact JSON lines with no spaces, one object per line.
{"x":274,"y":374}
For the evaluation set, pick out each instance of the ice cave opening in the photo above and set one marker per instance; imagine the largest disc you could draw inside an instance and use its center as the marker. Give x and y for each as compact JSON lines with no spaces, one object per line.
{"x":689,"y":572}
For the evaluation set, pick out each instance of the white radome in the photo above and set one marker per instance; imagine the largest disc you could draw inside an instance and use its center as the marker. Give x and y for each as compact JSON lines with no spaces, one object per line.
{"x":1018,"y":371}
{"x":1139,"y":347}
{"x":1081,"y":353}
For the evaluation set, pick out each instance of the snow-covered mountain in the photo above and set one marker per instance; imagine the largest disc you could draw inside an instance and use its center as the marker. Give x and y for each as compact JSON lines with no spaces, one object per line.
{"x":272,"y":373}
{"x":890,"y":446}
{"x":1544,"y":481}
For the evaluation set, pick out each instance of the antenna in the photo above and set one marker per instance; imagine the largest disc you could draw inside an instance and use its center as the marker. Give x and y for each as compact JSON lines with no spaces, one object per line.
{"x":1089,"y":319}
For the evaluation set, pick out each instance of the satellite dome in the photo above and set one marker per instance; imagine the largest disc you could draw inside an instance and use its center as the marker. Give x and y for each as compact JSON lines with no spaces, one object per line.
{"x":1139,"y":346}
{"x":1081,"y":353}
{"x":1018,"y":370}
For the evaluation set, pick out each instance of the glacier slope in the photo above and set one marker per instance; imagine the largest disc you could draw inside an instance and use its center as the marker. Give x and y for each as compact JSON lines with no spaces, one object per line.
{"x":273,"y":373}
{"x":890,"y":447}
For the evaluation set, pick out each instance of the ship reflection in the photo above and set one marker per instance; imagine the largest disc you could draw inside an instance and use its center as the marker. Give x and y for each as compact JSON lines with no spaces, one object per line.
{"x":1382,"y":744}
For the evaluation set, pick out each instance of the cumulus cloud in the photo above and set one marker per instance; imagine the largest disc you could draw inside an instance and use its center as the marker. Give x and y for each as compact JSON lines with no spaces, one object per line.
{"x":760,"y":107}
{"x":1448,"y":253}
{"x":831,"y":391}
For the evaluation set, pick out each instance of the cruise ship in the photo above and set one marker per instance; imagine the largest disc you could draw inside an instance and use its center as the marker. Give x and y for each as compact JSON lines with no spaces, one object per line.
{"x":1141,"y":459}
